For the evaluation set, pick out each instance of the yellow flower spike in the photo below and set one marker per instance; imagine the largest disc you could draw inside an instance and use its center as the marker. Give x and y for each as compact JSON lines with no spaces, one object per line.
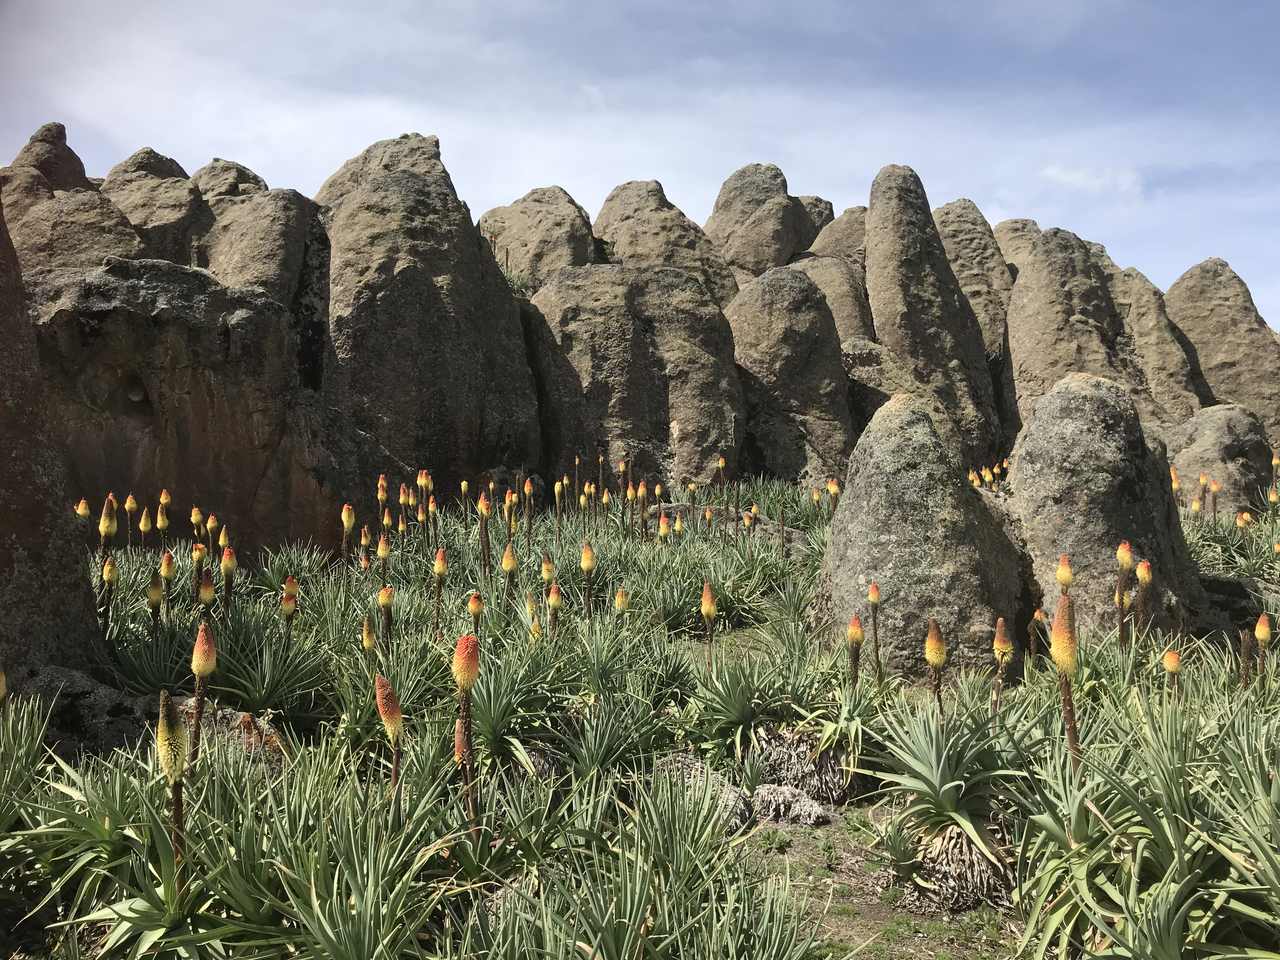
{"x":816,"y":495}
{"x":588,"y":560}
{"x":144,"y":522}
{"x":604,"y":497}
{"x":404,"y":495}
{"x":692,"y":487}
{"x":548,"y":569}
{"x":290,"y":586}
{"x":82,"y":509}
{"x":107,"y":524}
{"x":1124,"y":556}
{"x":657,"y":491}
{"x":1262,"y":631}
{"x":509,"y":559}
{"x":535,"y":628}
{"x":554,"y":600}
{"x":197,"y":517}
{"x":559,"y":489}
{"x":483,"y":506}
{"x":207,"y":592}
{"x":401,"y":526}
{"x":530,"y":604}
{"x":422,"y":481}
{"x":833,"y":487}
{"x":1172,"y":661}
{"x":747,"y":519}
{"x":528,"y":487}
{"x":162,"y":518}
{"x":440,"y":566}
{"x":679,"y":526}
{"x":365,"y":537}
{"x":873,"y":594}
{"x":664,"y":527}
{"x":1275,"y":460}
{"x":165,"y":499}
{"x":198,"y":552}
{"x":708,"y":605}
{"x":212,"y":523}
{"x":631,"y":492}
{"x":155,"y":591}
{"x":1144,"y":573}
{"x":431,"y":505}
{"x":720,"y":462}
{"x":384,"y":547}
{"x":1063,"y":574}
{"x":475,"y":605}
{"x":224,"y":539}
{"x":1215,"y":487}
{"x":386,"y":518}
{"x":382,"y":489}
{"x":367,"y":639}
{"x":204,"y":655}
{"x":348,"y":518}
{"x":707,"y":515}
{"x":109,"y":572}
{"x":1062,"y":638}
{"x":621,"y":602}
{"x":130,"y":505}
{"x":853,"y":633}
{"x":388,"y":704}
{"x":465,"y":488}
{"x":1273,"y":496}
{"x":582,"y":500}
{"x":288,"y":606}
{"x":167,"y":567}
{"x":171,"y":740}
{"x":935,"y":648}
{"x":1243,"y":519}
{"x":386,"y":597}
{"x":422,"y":512}
{"x":466,"y":662}
{"x":228,"y":565}
{"x":1204,"y":480}
{"x":1195,"y":505}
{"x":1002,"y":646}
{"x":987,"y":477}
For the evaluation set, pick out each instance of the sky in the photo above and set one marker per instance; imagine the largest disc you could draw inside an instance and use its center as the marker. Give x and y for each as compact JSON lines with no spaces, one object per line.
{"x":1150,"y":127}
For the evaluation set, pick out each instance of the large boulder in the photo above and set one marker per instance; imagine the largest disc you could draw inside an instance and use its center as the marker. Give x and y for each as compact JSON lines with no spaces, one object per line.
{"x":1016,"y":238}
{"x":979,"y":267}
{"x":427,"y":338}
{"x":909,"y":520}
{"x":755,"y":223}
{"x":920,"y":313}
{"x":158,"y":376}
{"x":1063,"y":320}
{"x":160,"y":201}
{"x":844,"y":285}
{"x":651,"y":370}
{"x":538,"y":234}
{"x":845,"y":236}
{"x":1229,"y":443}
{"x":1082,"y":479}
{"x":1157,"y":346}
{"x":642,"y":228}
{"x":1231,"y":347}
{"x":820,"y":213}
{"x":875,"y":375}
{"x":796,"y":391}
{"x":48,"y":154}
{"x":46,"y":610}
{"x":226,"y":178}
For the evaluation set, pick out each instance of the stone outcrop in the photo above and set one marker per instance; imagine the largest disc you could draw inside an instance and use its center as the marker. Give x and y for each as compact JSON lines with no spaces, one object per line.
{"x":1229,"y":443}
{"x":909,"y":520}
{"x":427,"y":339}
{"x":844,"y":285}
{"x":845,"y":236}
{"x":1016,"y":238}
{"x":979,"y":268}
{"x":160,"y":202}
{"x":1230,"y":346}
{"x":922,"y":316}
{"x":755,"y":223}
{"x":641,"y":228}
{"x":539,"y":234}
{"x":48,"y":154}
{"x":650,"y":371}
{"x":1083,"y":478}
{"x":796,"y":392}
{"x":820,"y":212}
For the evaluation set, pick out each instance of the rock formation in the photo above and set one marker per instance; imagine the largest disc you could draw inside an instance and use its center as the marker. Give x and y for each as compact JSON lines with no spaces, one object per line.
{"x":1229,"y":443}
{"x":426,"y":334}
{"x":538,"y":234}
{"x":909,"y":520}
{"x":650,"y":370}
{"x":642,"y":228}
{"x":1015,"y":238}
{"x":1230,"y":346}
{"x":755,"y":223}
{"x":796,"y":392}
{"x":820,"y":212}
{"x":922,"y":316}
{"x":844,"y":286}
{"x":159,"y":201}
{"x":845,"y":236}
{"x":1083,"y":478}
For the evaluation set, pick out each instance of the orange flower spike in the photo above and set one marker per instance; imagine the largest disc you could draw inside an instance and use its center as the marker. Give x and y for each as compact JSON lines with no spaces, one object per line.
{"x":165,"y":499}
{"x":440,"y":567}
{"x":155,"y":591}
{"x":664,"y":527}
{"x":348,"y":517}
{"x":548,"y":569}
{"x":386,"y":518}
{"x":388,"y":708}
{"x":386,"y":597}
{"x":110,"y":574}
{"x":621,"y":601}
{"x":1062,"y":638}
{"x":554,"y":600}
{"x":1172,"y":662}
{"x":288,"y":605}
{"x":935,"y":648}
{"x":1063,"y":575}
{"x":382,"y":488}
{"x":290,"y":586}
{"x":204,"y":655}
{"x":229,"y":564}
{"x":384,"y":547}
{"x":207,"y":592}
{"x":1262,"y":631}
{"x":1002,"y":646}
{"x":588,"y":560}
{"x":873,"y":594}
{"x":708,"y":605}
{"x":404,"y":495}
{"x":528,"y":487}
{"x":365,"y":537}
{"x":167,"y":567}
{"x":853,"y":634}
{"x":367,"y":638}
{"x":1144,"y":573}
{"x":475,"y":605}
{"x":1124,"y":556}
{"x":466,"y":662}
{"x":509,"y":559}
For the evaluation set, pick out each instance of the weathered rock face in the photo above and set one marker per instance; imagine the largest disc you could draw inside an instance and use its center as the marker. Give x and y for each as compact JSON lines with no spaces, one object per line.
{"x":226,"y":178}
{"x":1229,"y":345}
{"x":920,"y":313}
{"x":46,"y":612}
{"x":651,"y":370}
{"x":427,"y":337}
{"x":755,"y":223}
{"x":1062,"y":320}
{"x":1016,"y":238}
{"x":48,"y":154}
{"x":979,"y":267}
{"x":875,"y":375}
{"x":642,"y":228}
{"x":1157,"y":348}
{"x":845,"y":236}
{"x":820,"y":212}
{"x":158,"y":376}
{"x":909,"y":520}
{"x":538,"y":234}
{"x":1229,"y":443}
{"x":160,"y":201}
{"x":844,"y":286}
{"x":1082,"y":479}
{"x":796,"y":391}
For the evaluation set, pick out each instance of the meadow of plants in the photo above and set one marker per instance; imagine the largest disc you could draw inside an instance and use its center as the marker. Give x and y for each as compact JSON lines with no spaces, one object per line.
{"x":485,"y":729}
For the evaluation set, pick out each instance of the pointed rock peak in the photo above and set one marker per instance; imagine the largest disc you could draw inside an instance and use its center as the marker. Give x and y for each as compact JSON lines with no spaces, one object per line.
{"x":148,"y":161}
{"x":752,"y":185}
{"x":1015,"y":238}
{"x":637,"y":193}
{"x":47,"y":152}
{"x":845,"y":236}
{"x":900,"y":183}
{"x":407,"y":153}
{"x":226,"y":178}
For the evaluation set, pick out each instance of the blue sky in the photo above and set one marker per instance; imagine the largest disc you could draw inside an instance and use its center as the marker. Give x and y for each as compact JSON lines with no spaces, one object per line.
{"x":1153,"y":128}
